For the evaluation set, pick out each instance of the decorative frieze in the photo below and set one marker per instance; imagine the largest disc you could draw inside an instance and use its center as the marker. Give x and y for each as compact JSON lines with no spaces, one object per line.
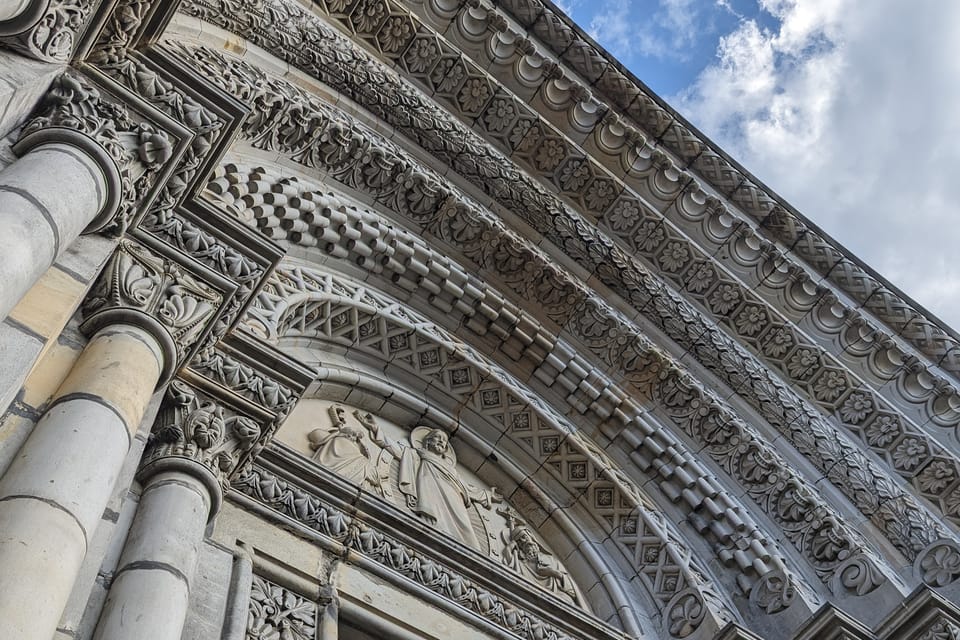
{"x":414,"y":564}
{"x":679,"y":319}
{"x":612,"y":351}
{"x":647,"y":539}
{"x":546,"y":151}
{"x":848,"y":567}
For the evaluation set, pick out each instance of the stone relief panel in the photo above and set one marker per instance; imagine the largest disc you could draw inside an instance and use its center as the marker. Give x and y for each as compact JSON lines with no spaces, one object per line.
{"x":277,"y":613}
{"x":417,"y":471}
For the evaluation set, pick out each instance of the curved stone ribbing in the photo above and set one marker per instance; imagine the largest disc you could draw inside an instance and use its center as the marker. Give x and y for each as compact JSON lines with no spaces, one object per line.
{"x":422,"y":200}
{"x":384,"y":249}
{"x":845,"y":465}
{"x":302,"y":303}
{"x":533,"y":142}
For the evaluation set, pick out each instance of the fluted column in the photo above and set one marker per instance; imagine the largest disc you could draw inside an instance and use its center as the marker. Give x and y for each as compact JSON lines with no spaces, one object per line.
{"x":56,"y":489}
{"x":195,"y":444}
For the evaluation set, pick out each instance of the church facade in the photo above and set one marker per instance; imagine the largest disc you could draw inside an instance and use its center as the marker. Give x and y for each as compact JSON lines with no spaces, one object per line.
{"x":425,"y":319}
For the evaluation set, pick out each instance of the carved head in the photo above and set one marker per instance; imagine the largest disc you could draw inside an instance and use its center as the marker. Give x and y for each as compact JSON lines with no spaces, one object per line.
{"x":526,"y":543}
{"x":436,"y":441}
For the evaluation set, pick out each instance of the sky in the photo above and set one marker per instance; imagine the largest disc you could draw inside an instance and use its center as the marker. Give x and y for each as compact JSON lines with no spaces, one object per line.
{"x":849,"y":109}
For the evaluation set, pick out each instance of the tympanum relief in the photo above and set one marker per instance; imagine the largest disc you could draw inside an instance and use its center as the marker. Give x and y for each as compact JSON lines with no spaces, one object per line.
{"x":417,"y":471}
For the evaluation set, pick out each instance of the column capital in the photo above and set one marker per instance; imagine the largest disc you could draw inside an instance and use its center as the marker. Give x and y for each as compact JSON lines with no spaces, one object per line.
{"x":128,"y":149}
{"x":46,"y":30}
{"x":142,"y":288}
{"x":196,"y":434}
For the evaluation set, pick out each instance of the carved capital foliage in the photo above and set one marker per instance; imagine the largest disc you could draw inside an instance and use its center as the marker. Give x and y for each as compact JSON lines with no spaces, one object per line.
{"x":276,"y":612}
{"x":195,"y":426}
{"x":129,"y":149}
{"x":48,"y":30}
{"x":181,"y":305}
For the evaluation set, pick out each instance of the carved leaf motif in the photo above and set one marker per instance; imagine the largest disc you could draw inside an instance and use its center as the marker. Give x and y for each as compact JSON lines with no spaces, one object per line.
{"x":279,"y":614}
{"x":135,"y":283}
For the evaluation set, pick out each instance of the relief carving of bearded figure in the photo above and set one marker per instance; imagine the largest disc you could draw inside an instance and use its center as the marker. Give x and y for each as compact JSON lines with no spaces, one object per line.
{"x":432,"y":488}
{"x":343,"y":448}
{"x":524,"y":555}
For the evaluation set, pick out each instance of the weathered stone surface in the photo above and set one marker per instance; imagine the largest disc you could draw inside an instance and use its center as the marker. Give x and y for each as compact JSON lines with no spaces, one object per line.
{"x":457,"y":331}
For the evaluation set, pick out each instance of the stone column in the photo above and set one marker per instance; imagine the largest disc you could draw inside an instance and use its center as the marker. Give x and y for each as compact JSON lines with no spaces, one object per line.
{"x":195,"y":445}
{"x":80,"y":160}
{"x":47,"y":198}
{"x":57,"y":487}
{"x":149,"y":596}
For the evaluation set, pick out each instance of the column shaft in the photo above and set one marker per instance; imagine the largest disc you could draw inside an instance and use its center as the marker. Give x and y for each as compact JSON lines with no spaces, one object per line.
{"x":150,"y":592}
{"x":13,"y":9}
{"x":47,"y":198}
{"x":57,"y":487}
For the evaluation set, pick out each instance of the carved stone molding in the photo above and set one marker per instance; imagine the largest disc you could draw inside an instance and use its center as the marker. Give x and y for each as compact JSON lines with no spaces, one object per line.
{"x":839,"y":556}
{"x":622,"y":93}
{"x":129,"y":150}
{"x":677,"y":317}
{"x":48,"y":30}
{"x":544,"y":341}
{"x":277,"y":612}
{"x":672,"y":198}
{"x":423,"y":568}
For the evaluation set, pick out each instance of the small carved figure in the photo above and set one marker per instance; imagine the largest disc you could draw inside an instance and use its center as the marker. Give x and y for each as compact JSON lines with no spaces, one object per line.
{"x":433,"y":489}
{"x":343,"y":449}
{"x":527,"y":557}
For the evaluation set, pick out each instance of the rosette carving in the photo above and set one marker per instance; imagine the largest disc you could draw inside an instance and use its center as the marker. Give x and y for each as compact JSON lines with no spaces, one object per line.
{"x":939,"y":564}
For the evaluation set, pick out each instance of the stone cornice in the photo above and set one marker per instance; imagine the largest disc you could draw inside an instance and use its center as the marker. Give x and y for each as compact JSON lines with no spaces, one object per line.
{"x":619,"y":90}
{"x":825,"y":450}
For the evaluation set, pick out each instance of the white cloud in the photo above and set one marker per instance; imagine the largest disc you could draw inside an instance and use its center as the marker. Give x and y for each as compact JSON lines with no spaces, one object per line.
{"x":851,"y":110}
{"x":668,"y":31}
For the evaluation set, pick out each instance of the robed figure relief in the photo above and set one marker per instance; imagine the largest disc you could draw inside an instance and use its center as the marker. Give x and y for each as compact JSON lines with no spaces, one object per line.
{"x":432,"y":487}
{"x":419,"y":473}
{"x":350,"y":451}
{"x":524,"y":555}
